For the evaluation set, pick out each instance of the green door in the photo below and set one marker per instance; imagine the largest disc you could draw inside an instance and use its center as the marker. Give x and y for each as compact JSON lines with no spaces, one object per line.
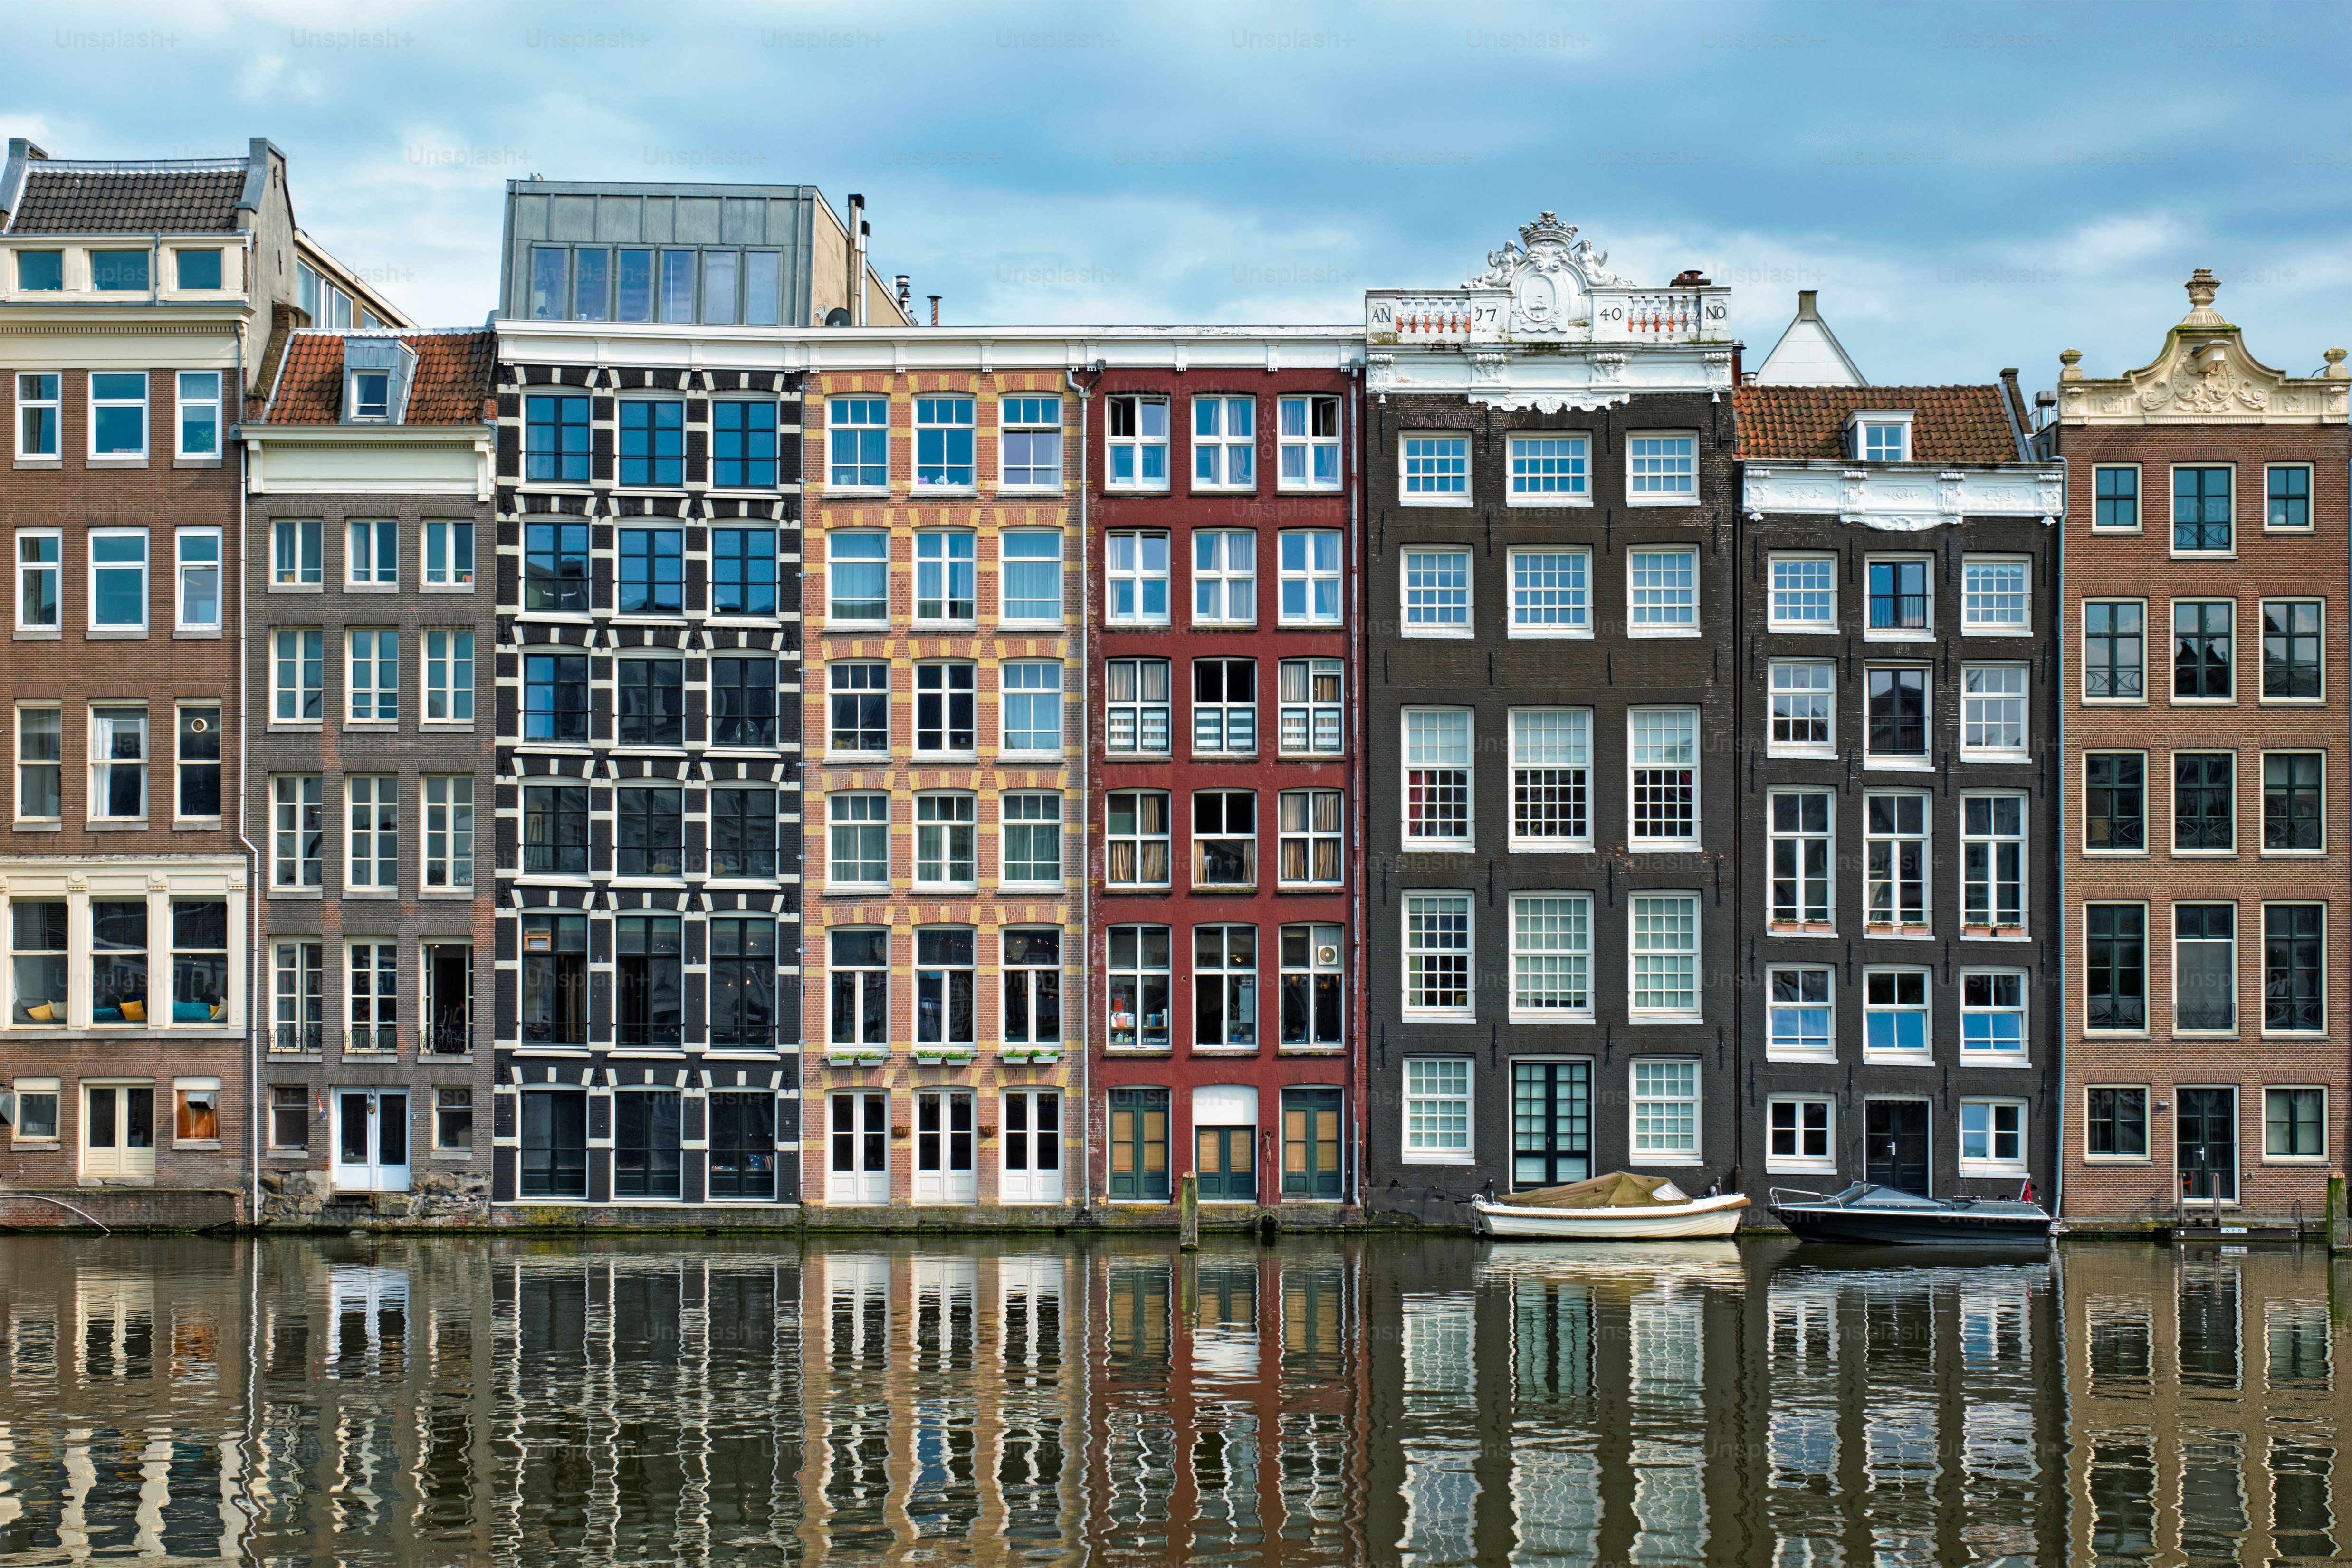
{"x":1310,"y":1144}
{"x":1226,"y":1159}
{"x":1138,"y":1145}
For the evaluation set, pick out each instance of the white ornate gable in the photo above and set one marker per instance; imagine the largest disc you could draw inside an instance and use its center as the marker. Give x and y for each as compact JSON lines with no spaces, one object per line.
{"x":1551,"y":281}
{"x":2204,"y":375}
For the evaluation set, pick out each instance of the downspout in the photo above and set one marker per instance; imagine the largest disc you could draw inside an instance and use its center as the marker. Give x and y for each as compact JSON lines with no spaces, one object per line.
{"x":253,"y":1108}
{"x":1359,"y":699}
{"x":1086,"y":803}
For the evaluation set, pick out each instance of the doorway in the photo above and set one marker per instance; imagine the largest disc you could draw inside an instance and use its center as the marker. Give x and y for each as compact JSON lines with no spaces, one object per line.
{"x":1895,"y":1144}
{"x":860,"y":1151}
{"x":945,"y":1170}
{"x":1225,"y":1160}
{"x":1033,"y":1146}
{"x":2207,"y":1154}
{"x":371,"y":1140}
{"x":119,"y":1129}
{"x":1310,"y":1144}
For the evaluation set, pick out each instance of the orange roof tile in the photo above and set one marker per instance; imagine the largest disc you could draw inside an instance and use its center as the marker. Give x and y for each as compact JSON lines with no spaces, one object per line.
{"x":452,"y":384}
{"x":1948,"y":424}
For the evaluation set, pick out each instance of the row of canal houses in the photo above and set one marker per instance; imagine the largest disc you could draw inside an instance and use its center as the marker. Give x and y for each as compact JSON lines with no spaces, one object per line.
{"x":709,"y":748}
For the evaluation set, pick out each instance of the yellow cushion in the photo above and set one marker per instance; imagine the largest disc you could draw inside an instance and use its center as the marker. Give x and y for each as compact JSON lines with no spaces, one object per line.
{"x":216,"y":1008}
{"x":135,"y":1011}
{"x":44,"y":1012}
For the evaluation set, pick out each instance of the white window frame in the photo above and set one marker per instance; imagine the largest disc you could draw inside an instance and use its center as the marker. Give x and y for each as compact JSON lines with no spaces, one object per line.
{"x":1812,"y":671}
{"x":1570,"y":917}
{"x":2172,"y":524}
{"x":181,"y":568}
{"x":189,"y":398}
{"x":299,"y":691}
{"x":1222,"y":577}
{"x":2237,"y":972}
{"x":1576,"y":489}
{"x":371,"y":831}
{"x":943,"y":825}
{"x":1306,"y":444}
{"x":1670,"y":494}
{"x":450,"y":576}
{"x":835,"y":424}
{"x":2022,"y":838}
{"x":1140,"y":839}
{"x":1310,"y":708}
{"x":1637,"y":1100}
{"x":1642,"y":620}
{"x":1648,"y":843}
{"x":2310,"y":492}
{"x":2261,"y":619}
{"x":832,"y":560}
{"x":287,"y":806}
{"x":1408,"y":494}
{"x":1862,"y":423}
{"x":935,"y":566}
{"x":181,"y":712}
{"x":1223,"y":708}
{"x":1014,"y":416}
{"x":838,"y":821}
{"x":2326,"y":1144}
{"x":439,"y":679}
{"x":32,"y":1088}
{"x":1925,"y":1053}
{"x":1568,"y":751}
{"x":1137,"y":576}
{"x":146,"y":584}
{"x":54,"y":403}
{"x":1774,"y":1050}
{"x":1899,"y":634}
{"x":95,"y":402}
{"x":447,"y":821}
{"x":1440,"y":1092}
{"x":1973,"y":623}
{"x":365,"y":542}
{"x":1777,"y":594}
{"x":1575,"y":611}
{"x":1800,"y":1163}
{"x":1423,"y":620}
{"x":1991,"y":1164}
{"x":1972,"y":695}
{"x":53,"y":568}
{"x":56,"y":766}
{"x":2022,"y":1056}
{"x":1308,"y":576}
{"x":1225,"y":834}
{"x":1925,"y":840}
{"x":1923,"y":761}
{"x":95,"y":793}
{"x":1221,"y":444}
{"x":1311,"y":834}
{"x":1005,"y":561}
{"x":1006,"y":676}
{"x":1466,"y":767}
{"x":1006,"y":822}
{"x":1642,"y":961}
{"x":951,"y":403}
{"x":373,"y":688}
{"x":1137,"y":445}
{"x":1776,"y":836}
{"x":1138,"y":706}
{"x":310,"y":570}
{"x":1462,"y":904}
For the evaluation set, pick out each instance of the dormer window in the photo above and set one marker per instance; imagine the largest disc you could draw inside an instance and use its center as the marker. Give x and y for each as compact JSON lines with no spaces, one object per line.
{"x":371,"y":394}
{"x":1879,"y":435}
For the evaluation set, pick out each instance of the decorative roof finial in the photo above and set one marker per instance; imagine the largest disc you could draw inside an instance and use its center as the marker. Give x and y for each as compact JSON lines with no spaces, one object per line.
{"x":2073,"y":360}
{"x":2202,"y":286}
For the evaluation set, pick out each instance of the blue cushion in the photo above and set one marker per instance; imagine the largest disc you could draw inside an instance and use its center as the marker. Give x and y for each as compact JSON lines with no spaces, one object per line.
{"x":190,"y":1012}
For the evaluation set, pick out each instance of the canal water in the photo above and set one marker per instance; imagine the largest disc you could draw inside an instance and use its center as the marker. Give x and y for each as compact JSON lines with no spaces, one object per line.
{"x":1036,"y":1400}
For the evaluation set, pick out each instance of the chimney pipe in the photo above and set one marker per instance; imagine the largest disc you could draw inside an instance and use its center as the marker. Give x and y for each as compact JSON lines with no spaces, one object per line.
{"x":856,"y":259}
{"x":1805,"y":310}
{"x":934,"y":298}
{"x":906,"y":296}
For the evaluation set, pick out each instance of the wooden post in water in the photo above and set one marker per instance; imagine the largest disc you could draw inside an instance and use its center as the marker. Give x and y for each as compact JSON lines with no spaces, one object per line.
{"x":1188,"y":1209}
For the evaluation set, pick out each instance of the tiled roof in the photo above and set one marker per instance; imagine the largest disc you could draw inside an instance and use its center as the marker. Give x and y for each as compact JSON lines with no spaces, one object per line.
{"x":1948,"y":424}
{"x":135,"y":198}
{"x":452,"y":385}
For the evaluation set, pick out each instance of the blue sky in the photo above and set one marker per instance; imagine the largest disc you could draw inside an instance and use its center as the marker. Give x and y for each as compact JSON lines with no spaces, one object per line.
{"x":1969,"y":186}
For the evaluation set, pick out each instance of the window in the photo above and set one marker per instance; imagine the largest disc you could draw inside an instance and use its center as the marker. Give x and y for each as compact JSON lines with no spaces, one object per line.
{"x":2293,"y":1001}
{"x":2200,"y":659}
{"x":1666,"y":953}
{"x":2112,"y":652}
{"x":1801,"y":1136}
{"x":1665,"y":1112}
{"x":372,"y":552}
{"x":1436,"y":470}
{"x":1138,"y":718}
{"x":371,"y":395}
{"x":548,"y":266}
{"x":649,"y":832}
{"x":555,"y":567}
{"x":1309,"y":441}
{"x":197,"y":553}
{"x":857,"y":435}
{"x":200,"y":411}
{"x":300,"y":996}
{"x":2200,"y":510}
{"x":944,"y":581}
{"x":1992,"y":1014}
{"x":118,"y":414}
{"x":448,"y":677}
{"x":743,"y":571}
{"x":742,"y":832}
{"x":1805,"y":699}
{"x":1992,"y":1137}
{"x":555,"y":443}
{"x":1549,"y":593}
{"x":198,"y":761}
{"x":1549,"y":470}
{"x":652,"y":570}
{"x":1894,"y":845}
{"x":453,"y":1118}
{"x":1310,"y":577}
{"x":555,"y":1121}
{"x":118,"y":962}
{"x":1225,"y":986}
{"x":1804,"y":593}
{"x":374,"y":997}
{"x":1031,"y":701}
{"x":653,"y":442}
{"x":1033,"y":986}
{"x":298,"y":551}
{"x":2290,"y":497}
{"x":1031,"y":578}
{"x":2115,"y":966}
{"x":1030,"y":429}
{"x":1897,"y":714}
{"x":1664,"y":763}
{"x":1225,"y":443}
{"x":1437,"y":592}
{"x":1800,"y":858}
{"x":1138,"y":579}
{"x":555,"y":829}
{"x":1437,"y":953}
{"x":1312,"y":838}
{"x":1437,"y":1110}
{"x":2115,"y":1124}
{"x":1801,"y":1015}
{"x":1993,"y":595}
{"x":554,"y":1010}
{"x":39,"y":570}
{"x":743,"y":985}
{"x":1310,"y":707}
{"x":37,"y":960}
{"x":2293,"y":817}
{"x":40,"y":763}
{"x":1895,"y":1011}
{"x":1311,"y":987}
{"x":860,"y":851}
{"x":743,"y":703}
{"x":1551,"y":955}
{"x":290,"y":1116}
{"x":1137,"y":442}
{"x":1138,"y":987}
{"x":2115,"y":801}
{"x":1032,"y":839}
{"x":860,"y":707}
{"x":2205,"y":967}
{"x":118,"y":579}
{"x":945,"y":983}
{"x":857,"y":579}
{"x":449,"y":1017}
{"x":1436,"y":775}
{"x":677,"y":286}
{"x":2294,"y":1124}
{"x":298,"y":824}
{"x":374,"y":831}
{"x":374,"y":675}
{"x":1661,"y":469}
{"x":1878,"y":438}
{"x":945,"y":841}
{"x":944,"y":708}
{"x":40,"y":271}
{"x":555,"y":696}
{"x":118,"y":758}
{"x":1662,"y":588}
{"x":2204,"y":813}
{"x":743,"y":445}
{"x":650,"y":697}
{"x":1225,"y":706}
{"x":2290,"y":668}
{"x":37,"y":405}
{"x":448,"y":830}
{"x":2116,"y":504}
{"x":1225,"y":838}
{"x":1225,"y":577}
{"x":1993,"y":863}
{"x":1900,"y":601}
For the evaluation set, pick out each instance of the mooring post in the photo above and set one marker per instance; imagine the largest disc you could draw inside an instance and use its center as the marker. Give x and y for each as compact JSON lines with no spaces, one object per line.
{"x":1189,"y":1212}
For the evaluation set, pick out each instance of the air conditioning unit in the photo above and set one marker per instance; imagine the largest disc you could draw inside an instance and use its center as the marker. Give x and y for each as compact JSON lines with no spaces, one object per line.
{"x":1328,"y":954}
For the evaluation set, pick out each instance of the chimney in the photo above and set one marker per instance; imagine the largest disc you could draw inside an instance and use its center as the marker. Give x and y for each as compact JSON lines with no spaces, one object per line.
{"x":1805,"y":310}
{"x":906,"y":296}
{"x":934,"y":298}
{"x":857,"y":260}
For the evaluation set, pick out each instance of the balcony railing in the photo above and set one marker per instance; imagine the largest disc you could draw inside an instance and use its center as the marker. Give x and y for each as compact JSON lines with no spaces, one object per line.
{"x":372,"y":1039}
{"x":731,"y":1036}
{"x":1898,"y":611}
{"x":555,"y":1032}
{"x":450,"y":1037}
{"x":292,"y":1038}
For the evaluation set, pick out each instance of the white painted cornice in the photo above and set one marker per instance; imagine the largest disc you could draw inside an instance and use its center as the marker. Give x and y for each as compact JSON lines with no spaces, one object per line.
{"x":915,"y":349}
{"x":1902,"y":498}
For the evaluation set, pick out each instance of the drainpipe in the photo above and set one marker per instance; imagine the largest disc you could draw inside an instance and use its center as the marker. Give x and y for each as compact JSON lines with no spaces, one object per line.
{"x":857,"y":260}
{"x":1086,"y":803}
{"x":253,"y":966}
{"x":1356,"y":697}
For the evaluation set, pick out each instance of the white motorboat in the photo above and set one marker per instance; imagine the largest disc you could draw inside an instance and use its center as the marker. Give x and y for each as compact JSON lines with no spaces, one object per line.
{"x":1617,"y":1207}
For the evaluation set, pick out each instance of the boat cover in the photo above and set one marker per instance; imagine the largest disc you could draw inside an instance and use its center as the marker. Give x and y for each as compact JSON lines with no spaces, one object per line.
{"x":1617,"y":1190}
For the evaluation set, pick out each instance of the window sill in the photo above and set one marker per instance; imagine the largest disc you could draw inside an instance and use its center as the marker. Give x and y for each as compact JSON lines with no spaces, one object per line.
{"x":1969,"y":1171}
{"x":1028,"y":759}
{"x":1651,"y":633}
{"x":1154,"y":889}
{"x":197,"y":824}
{"x":2089,"y":854}
{"x":2117,"y":1160}
{"x":1135,"y":626}
{"x":1437,"y":1159}
{"x":1539,"y":500}
{"x":1543,"y":1019}
{"x":1311,"y":1050}
{"x":2305,"y":1160}
{"x":291,"y":1059}
{"x":1130,"y":1051}
{"x":444,"y":587}
{"x":1891,"y":634}
{"x":1994,"y":933}
{"x":1798,"y":1168}
{"x":1461,"y":501}
{"x":1805,"y":628}
{"x":1110,"y":756}
{"x":179,"y":1143}
{"x":370,"y":587}
{"x":1897,"y":1058}
{"x":1996,"y":631}
{"x":98,"y":462}
{"x":1899,"y":764}
{"x":1664,"y":1020}
{"x":861,"y":627}
{"x":296,"y":893}
{"x":37,"y":635}
{"x":1436,"y":846}
{"x":1988,"y":1059}
{"x":1535,"y":634}
{"x":857,"y":890}
{"x":117,"y":634}
{"x":1455,"y":634}
{"x":2202,"y":554}
{"x":297,"y":588}
{"x":1663,"y":500}
{"x":1411,"y":1017}
{"x":1900,"y":933}
{"x":1665,"y":846}
{"x":370,"y":893}
{"x":1995,"y":759}
{"x":37,"y":827}
{"x":854,"y":759}
{"x":1135,"y":489}
{"x":26,"y":463}
{"x":1031,"y":627}
{"x":2296,"y":1036}
{"x":1230,"y":889}
{"x":1804,"y":1059}
{"x":452,"y":894}
{"x":1029,"y":889}
{"x":2204,"y":702}
{"x":2204,"y":854}
{"x":116,"y":825}
{"x":2293,"y":853}
{"x":1653,"y":1162}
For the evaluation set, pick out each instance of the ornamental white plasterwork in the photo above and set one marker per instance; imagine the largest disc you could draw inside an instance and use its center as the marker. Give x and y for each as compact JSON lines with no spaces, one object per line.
{"x":2203,"y":373}
{"x":1555,"y":402}
{"x":1906,"y":501}
{"x":1549,"y":281}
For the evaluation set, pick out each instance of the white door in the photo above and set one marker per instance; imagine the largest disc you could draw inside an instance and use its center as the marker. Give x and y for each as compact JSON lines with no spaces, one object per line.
{"x":1033,"y":1146}
{"x":860,"y":1142}
{"x":371,"y":1140}
{"x":118,"y":1130}
{"x":945,"y":1171}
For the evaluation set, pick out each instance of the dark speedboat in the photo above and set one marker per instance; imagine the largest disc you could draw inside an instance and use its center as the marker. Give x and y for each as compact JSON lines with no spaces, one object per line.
{"x":1868,"y":1214}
